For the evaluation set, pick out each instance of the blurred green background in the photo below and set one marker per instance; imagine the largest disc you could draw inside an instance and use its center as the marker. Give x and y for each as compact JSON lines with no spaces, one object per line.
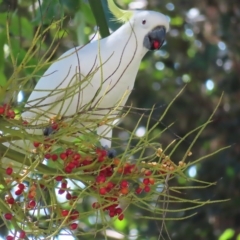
{"x":202,"y":52}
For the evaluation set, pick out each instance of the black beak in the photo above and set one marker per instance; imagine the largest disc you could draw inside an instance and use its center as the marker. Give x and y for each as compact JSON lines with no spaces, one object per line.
{"x":155,"y":39}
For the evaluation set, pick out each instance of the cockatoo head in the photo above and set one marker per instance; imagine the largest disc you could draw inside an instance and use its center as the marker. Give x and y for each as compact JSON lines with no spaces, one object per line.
{"x":150,"y":27}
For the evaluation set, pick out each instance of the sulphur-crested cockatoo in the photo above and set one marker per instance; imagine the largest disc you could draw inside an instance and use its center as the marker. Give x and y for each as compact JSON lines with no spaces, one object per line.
{"x":93,"y":82}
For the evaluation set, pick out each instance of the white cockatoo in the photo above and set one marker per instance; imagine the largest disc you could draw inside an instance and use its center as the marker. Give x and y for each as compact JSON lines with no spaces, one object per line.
{"x":93,"y":82}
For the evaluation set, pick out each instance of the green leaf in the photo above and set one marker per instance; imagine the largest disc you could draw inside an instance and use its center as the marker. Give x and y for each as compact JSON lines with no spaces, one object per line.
{"x":2,"y":42}
{"x":71,"y":5}
{"x":99,"y":15}
{"x":3,"y":79}
{"x":227,"y":234}
{"x":49,"y":11}
{"x":19,"y":26}
{"x":79,"y":21}
{"x":18,"y":52}
{"x":87,"y":12}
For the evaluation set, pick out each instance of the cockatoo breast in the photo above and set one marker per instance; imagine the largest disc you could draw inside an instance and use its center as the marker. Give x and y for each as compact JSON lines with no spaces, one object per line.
{"x":98,"y":75}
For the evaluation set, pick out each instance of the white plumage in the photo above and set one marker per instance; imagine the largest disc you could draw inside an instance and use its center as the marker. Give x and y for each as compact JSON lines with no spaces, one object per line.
{"x":97,"y":77}
{"x":109,"y":66}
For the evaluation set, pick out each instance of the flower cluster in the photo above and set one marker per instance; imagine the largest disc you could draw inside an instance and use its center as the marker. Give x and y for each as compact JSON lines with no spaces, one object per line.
{"x":7,"y":111}
{"x":107,"y":177}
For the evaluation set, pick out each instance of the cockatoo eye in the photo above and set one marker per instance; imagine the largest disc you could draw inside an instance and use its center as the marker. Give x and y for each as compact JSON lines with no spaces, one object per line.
{"x":144,"y":22}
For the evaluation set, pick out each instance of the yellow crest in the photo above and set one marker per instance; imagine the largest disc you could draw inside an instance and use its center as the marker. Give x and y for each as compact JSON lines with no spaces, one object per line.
{"x":120,"y":15}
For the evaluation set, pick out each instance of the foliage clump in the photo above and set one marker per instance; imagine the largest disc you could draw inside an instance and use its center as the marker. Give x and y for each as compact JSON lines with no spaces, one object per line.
{"x":58,"y":185}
